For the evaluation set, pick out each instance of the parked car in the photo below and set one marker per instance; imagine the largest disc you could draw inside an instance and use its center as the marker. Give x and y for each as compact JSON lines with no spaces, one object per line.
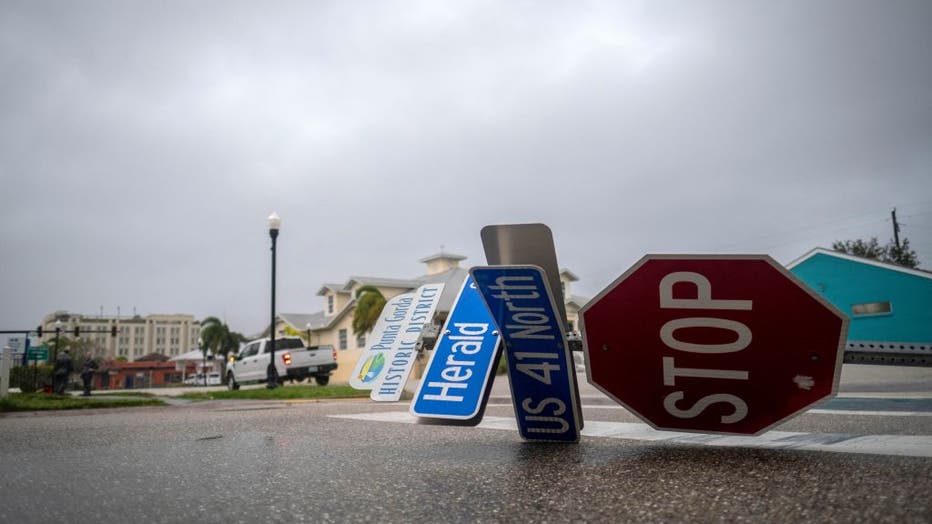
{"x":293,"y":361}
{"x":213,"y":379}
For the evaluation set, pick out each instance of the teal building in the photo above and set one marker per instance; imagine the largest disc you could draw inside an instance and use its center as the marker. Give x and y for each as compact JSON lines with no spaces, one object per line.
{"x":889,"y":306}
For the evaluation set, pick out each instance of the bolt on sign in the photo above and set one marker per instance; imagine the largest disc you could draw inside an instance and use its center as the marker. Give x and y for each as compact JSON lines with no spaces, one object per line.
{"x":540,"y":368}
{"x":712,"y":344}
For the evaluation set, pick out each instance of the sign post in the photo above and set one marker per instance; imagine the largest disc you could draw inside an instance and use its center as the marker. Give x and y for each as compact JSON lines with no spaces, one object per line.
{"x":540,"y":368}
{"x":712,"y":344}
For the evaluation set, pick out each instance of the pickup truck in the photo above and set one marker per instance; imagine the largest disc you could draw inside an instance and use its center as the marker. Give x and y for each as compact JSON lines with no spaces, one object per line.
{"x":293,"y":361}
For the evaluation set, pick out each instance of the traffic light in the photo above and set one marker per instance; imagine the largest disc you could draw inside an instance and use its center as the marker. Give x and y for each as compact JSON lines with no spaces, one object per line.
{"x":77,"y":332}
{"x":112,"y":331}
{"x":39,"y":331}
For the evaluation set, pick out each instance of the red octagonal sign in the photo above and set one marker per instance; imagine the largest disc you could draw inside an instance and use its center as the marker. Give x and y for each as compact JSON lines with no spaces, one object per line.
{"x":712,"y":344}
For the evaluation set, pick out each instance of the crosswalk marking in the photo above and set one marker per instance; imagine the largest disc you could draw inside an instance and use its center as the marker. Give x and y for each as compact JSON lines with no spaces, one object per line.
{"x":869,"y":413}
{"x":900,"y":445}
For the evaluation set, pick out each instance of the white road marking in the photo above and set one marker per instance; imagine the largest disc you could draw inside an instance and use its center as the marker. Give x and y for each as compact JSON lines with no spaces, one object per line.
{"x":811,"y":411}
{"x":871,"y":413}
{"x":900,"y":445}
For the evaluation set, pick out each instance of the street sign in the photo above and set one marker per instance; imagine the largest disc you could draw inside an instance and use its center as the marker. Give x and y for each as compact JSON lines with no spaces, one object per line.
{"x":38,"y":353}
{"x":712,"y":344}
{"x":16,"y":344}
{"x":525,"y":244}
{"x":387,"y":361}
{"x":384,"y":336}
{"x":540,"y":369}
{"x":459,"y":375}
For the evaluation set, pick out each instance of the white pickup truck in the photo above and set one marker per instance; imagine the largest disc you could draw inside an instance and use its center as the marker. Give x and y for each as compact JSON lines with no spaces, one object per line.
{"x":293,"y":361}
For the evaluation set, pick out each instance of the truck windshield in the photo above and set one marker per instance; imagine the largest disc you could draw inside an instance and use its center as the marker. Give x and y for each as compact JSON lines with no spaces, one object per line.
{"x":289,"y":343}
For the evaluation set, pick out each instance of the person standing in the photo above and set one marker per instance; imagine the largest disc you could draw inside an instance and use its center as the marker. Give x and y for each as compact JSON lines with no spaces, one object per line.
{"x":63,"y":368}
{"x":87,"y":374}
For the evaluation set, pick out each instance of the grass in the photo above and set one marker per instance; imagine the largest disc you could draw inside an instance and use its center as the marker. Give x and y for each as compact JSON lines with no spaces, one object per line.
{"x":281,"y":393}
{"x":47,"y":401}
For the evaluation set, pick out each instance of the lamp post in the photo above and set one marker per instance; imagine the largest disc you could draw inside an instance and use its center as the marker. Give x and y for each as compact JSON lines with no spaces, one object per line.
{"x":57,"y":335}
{"x":308,"y":326}
{"x":275,"y":222}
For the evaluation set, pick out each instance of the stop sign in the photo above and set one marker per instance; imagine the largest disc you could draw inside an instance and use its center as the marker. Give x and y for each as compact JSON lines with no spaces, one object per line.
{"x":712,"y":344}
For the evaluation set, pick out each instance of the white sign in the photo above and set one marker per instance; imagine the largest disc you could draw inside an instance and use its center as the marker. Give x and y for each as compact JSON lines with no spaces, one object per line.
{"x":389,"y":356}
{"x":16,"y":344}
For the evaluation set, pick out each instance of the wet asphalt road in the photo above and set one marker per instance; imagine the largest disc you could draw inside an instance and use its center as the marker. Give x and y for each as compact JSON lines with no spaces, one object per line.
{"x":236,"y":461}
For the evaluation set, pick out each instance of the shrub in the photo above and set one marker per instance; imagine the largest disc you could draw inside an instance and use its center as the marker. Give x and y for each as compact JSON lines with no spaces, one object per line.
{"x":22,"y":377}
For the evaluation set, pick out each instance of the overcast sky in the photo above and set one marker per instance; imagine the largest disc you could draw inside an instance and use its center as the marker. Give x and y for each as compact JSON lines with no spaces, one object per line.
{"x":144,"y":144}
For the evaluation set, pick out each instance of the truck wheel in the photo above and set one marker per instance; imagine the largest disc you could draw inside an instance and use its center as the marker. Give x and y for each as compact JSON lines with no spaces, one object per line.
{"x":322,"y":380}
{"x":231,"y":382}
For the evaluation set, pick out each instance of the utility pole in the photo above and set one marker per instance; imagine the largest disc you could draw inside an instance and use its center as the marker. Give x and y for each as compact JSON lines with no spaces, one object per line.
{"x":896,"y":229}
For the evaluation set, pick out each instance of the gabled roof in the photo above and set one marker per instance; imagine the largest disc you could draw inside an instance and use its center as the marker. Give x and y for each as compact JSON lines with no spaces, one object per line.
{"x":300,"y":321}
{"x":860,"y":260}
{"x":194,"y":354}
{"x":399,"y":283}
{"x":153,"y":357}
{"x":336,"y":288}
{"x":452,"y":279}
{"x":318,"y":320}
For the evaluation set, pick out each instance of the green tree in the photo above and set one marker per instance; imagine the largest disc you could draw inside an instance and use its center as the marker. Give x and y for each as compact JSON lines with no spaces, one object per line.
{"x":369,"y":304}
{"x":902,"y":254}
{"x":218,"y":339}
{"x":890,"y":253}
{"x":82,"y":348}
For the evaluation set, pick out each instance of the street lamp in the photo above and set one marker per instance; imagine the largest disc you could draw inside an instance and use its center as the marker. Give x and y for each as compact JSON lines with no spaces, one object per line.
{"x":275,"y":222}
{"x":308,"y":326}
{"x":57,"y":335}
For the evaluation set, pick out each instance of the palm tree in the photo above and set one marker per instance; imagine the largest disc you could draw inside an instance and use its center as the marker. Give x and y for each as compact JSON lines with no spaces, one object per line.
{"x":213,"y":331}
{"x":369,"y":304}
{"x":217,"y":338}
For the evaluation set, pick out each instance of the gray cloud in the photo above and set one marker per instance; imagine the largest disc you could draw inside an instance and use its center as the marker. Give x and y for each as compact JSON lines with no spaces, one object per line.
{"x":143,"y":144}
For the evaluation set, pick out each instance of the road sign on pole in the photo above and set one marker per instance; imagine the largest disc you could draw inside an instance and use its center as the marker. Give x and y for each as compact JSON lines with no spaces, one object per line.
{"x":712,"y":344}
{"x":540,"y":369}
{"x":459,"y":376}
{"x":38,"y":353}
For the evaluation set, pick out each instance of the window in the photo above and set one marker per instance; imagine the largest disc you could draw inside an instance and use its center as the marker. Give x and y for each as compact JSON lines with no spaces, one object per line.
{"x":343,"y":339}
{"x":329,"y":304}
{"x":872,"y":308}
{"x":361,"y":340}
{"x":251,"y":350}
{"x":288,"y":343}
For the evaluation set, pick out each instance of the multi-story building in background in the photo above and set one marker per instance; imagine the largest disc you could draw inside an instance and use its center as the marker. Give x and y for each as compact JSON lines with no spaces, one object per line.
{"x":136,"y":336}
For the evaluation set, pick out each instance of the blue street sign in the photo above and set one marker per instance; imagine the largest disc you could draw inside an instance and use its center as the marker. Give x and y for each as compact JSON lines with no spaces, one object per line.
{"x":540,"y":367}
{"x":459,"y":376}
